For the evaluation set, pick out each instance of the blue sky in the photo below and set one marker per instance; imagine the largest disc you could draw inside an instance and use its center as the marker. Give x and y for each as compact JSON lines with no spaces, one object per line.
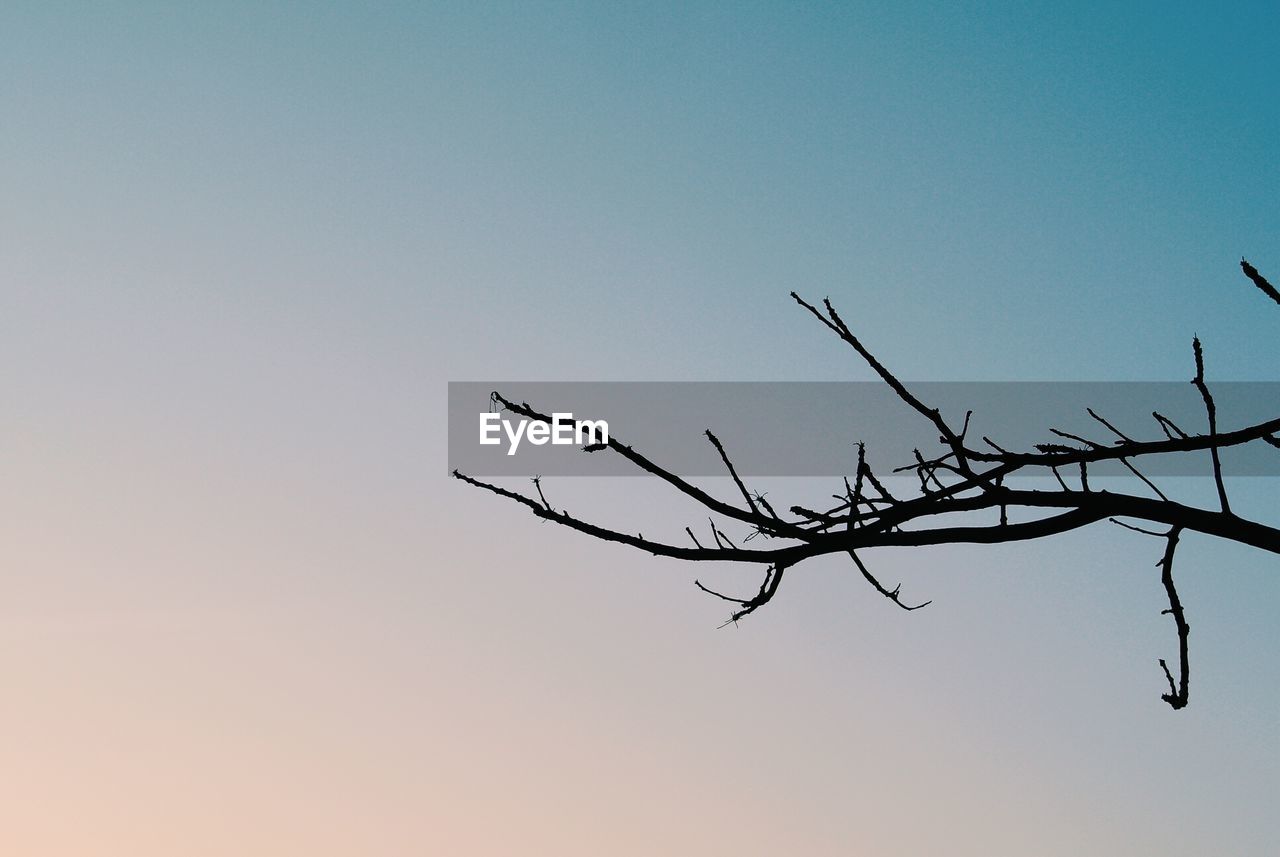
{"x":245,"y":246}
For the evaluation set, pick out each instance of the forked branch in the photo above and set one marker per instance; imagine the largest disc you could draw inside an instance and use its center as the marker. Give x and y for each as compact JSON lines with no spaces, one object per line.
{"x":959,"y":479}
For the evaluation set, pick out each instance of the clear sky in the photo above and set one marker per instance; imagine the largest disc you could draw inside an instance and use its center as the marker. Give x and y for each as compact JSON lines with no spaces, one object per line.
{"x":243,"y":247}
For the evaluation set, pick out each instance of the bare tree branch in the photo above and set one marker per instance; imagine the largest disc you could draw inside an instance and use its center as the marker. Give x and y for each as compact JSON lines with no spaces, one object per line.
{"x":891,"y":595}
{"x":768,"y":589}
{"x":1177,"y":695}
{"x":724,"y":456}
{"x":1260,"y":281}
{"x":957,"y":480}
{"x":1212,"y":411}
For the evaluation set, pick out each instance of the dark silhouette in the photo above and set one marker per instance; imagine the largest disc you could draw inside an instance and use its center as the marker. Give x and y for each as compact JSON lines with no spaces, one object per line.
{"x":960,"y":478}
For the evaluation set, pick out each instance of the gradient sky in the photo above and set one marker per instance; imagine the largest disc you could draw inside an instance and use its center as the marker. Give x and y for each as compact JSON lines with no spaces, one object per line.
{"x":243,"y":247}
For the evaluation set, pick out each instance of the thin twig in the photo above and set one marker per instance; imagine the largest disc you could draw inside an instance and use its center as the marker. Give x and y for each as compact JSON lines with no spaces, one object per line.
{"x":1177,"y":695}
{"x":724,"y":456}
{"x":892,"y":595}
{"x":1212,"y":411}
{"x":1260,"y":281}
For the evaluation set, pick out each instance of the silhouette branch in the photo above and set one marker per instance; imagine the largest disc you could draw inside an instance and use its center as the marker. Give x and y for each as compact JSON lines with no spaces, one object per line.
{"x":959,"y":479}
{"x":1177,"y":695}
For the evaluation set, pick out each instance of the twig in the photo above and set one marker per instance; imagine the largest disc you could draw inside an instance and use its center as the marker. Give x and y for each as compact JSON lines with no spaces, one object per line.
{"x":1123,"y":437}
{"x":892,"y":595}
{"x":1212,"y":411}
{"x":1260,"y":281}
{"x":537,"y":483}
{"x":768,"y":589}
{"x":1177,"y":695}
{"x":1166,"y":424}
{"x":724,"y":456}
{"x":1142,"y":530}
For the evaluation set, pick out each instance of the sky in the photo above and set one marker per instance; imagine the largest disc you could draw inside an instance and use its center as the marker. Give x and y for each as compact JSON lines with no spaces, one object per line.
{"x":244,"y":247}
